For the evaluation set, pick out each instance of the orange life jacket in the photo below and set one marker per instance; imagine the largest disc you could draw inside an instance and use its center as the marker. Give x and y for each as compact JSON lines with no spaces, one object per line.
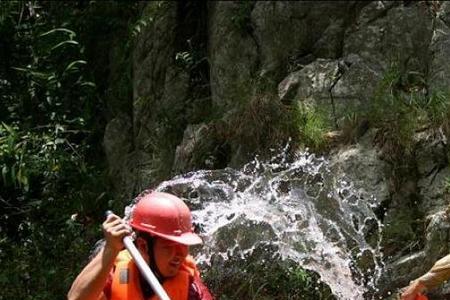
{"x":126,"y":285}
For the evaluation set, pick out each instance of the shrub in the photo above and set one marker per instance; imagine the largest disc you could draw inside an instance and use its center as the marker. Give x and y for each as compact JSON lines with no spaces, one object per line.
{"x":312,"y":124}
{"x":402,"y":106}
{"x":52,"y":183}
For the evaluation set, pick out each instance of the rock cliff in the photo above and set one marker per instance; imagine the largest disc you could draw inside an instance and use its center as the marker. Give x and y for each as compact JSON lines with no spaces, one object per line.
{"x":216,"y":82}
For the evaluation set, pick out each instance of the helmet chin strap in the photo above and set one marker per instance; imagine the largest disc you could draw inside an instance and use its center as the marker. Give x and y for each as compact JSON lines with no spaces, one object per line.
{"x":146,"y":289}
{"x":151,"y":255}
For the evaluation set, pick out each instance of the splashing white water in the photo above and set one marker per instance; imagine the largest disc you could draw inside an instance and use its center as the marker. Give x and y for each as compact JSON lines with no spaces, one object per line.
{"x":313,"y":218}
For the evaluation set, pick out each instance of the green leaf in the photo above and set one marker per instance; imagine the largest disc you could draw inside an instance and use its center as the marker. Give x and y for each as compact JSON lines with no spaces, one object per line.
{"x":40,"y":75}
{"x":9,"y":129}
{"x":60,"y":141}
{"x":20,"y":69}
{"x":5,"y":173}
{"x":13,"y":174}
{"x":88,"y":83}
{"x":70,"y":42}
{"x":22,"y":178}
{"x":74,"y":63}
{"x":65,"y":30}
{"x":35,"y":203}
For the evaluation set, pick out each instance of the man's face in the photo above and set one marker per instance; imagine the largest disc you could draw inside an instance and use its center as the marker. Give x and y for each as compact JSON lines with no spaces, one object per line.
{"x":169,"y":256}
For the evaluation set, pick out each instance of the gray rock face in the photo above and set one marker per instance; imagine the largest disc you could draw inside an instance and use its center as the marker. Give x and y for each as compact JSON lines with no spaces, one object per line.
{"x":438,"y":236}
{"x":355,"y":87}
{"x":232,"y":53}
{"x":383,"y":33}
{"x":337,"y":87}
{"x":153,"y":51}
{"x":325,"y":54}
{"x":311,"y":85}
{"x":387,"y":33}
{"x":287,"y":31}
{"x":152,"y":57}
{"x":440,"y":49}
{"x":432,"y":166}
{"x":362,"y":164}
{"x":195,"y":136}
{"x":158,"y":87}
{"x":117,"y":143}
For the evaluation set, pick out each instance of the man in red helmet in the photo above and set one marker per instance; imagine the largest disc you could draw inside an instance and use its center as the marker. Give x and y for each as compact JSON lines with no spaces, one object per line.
{"x":163,"y":235}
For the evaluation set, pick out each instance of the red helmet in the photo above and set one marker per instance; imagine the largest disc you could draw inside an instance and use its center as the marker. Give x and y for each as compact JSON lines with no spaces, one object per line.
{"x":166,"y":216}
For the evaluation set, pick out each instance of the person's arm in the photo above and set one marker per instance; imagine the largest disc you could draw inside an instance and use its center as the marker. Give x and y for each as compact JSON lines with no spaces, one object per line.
{"x":412,"y":290}
{"x":439,"y":273}
{"x":90,"y":282}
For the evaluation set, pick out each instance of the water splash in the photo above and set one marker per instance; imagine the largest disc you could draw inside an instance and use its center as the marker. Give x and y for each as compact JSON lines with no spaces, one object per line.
{"x":297,"y":204}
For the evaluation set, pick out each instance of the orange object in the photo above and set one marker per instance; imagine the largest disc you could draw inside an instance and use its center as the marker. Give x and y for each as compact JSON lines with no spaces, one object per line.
{"x":164,"y":215}
{"x":126,"y":281}
{"x":421,"y":297}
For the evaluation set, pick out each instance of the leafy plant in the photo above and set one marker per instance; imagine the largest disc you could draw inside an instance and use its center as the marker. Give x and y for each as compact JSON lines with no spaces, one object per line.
{"x":401,"y":107}
{"x":52,"y":182}
{"x":311,"y":124}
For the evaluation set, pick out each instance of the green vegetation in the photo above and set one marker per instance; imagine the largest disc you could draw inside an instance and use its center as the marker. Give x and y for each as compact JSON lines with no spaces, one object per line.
{"x":402,"y":107}
{"x":66,"y":69}
{"x":257,"y":121}
{"x":53,"y":184}
{"x":311,"y":124}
